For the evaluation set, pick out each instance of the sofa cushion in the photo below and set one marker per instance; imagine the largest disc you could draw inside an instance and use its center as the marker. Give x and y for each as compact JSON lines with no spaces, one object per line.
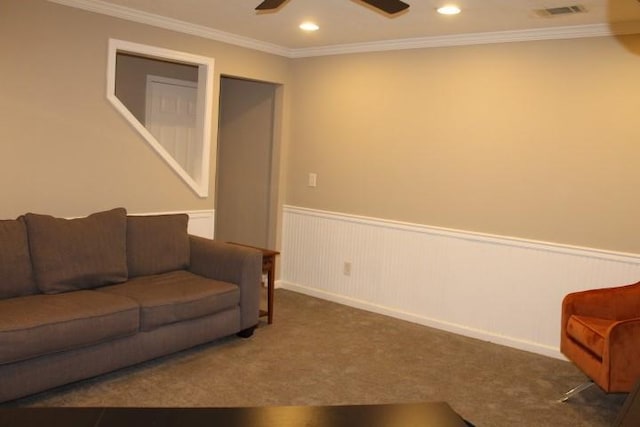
{"x":590,"y":332}
{"x":175,"y":296}
{"x":36,"y":325}
{"x":69,"y":254}
{"x":16,"y":277}
{"x":157,"y":244}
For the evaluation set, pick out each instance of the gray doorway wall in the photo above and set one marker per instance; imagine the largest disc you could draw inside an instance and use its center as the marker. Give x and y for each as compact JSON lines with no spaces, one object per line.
{"x":244,"y":162}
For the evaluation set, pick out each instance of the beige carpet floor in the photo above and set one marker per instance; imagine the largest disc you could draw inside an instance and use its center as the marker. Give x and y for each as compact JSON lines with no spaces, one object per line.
{"x":322,"y":353}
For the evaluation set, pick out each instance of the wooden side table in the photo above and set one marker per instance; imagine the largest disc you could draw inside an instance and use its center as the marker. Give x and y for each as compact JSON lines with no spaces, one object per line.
{"x":268,"y":268}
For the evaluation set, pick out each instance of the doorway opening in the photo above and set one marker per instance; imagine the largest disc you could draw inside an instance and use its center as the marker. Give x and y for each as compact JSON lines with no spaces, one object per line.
{"x":247,"y":162}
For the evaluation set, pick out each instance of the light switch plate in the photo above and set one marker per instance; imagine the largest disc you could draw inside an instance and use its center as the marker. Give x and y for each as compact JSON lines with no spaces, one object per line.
{"x":313,"y":179}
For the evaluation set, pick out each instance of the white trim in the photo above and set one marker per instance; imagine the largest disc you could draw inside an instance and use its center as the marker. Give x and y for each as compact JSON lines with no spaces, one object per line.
{"x":159,"y":21}
{"x":553,"y":33}
{"x":472,"y":235}
{"x":199,"y":184}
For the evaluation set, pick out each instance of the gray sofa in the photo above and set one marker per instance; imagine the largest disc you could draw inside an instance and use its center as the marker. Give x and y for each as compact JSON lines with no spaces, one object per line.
{"x":81,"y":297}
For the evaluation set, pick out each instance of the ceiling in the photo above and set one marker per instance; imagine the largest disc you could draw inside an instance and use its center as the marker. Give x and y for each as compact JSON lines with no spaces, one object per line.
{"x":349,"y":22}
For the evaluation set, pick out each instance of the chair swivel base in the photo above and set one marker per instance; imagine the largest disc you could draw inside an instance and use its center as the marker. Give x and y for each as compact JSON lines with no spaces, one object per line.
{"x":579,"y":389}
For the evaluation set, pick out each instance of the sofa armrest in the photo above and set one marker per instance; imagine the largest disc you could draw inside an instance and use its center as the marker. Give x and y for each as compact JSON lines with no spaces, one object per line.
{"x":234,"y":264}
{"x":617,"y":303}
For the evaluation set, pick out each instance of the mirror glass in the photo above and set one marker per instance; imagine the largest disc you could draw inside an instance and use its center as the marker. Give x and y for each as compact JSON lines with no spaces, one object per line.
{"x":165,"y":95}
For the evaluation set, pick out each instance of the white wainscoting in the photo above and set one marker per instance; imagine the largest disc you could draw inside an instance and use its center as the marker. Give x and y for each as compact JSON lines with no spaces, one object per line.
{"x":498,"y":289}
{"x":201,"y":222}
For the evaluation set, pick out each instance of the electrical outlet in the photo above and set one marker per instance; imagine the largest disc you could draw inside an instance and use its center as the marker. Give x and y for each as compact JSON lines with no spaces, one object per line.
{"x":346,"y":268}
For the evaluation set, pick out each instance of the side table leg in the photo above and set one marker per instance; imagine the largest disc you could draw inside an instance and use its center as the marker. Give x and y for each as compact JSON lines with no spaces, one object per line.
{"x":270,"y":286}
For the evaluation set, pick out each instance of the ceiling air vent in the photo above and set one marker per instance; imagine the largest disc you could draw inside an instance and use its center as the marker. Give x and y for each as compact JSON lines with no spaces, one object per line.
{"x":561,"y":10}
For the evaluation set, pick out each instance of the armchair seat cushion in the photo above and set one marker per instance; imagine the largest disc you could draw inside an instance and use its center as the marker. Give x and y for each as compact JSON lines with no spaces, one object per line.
{"x":176,"y":296}
{"x":590,"y":332}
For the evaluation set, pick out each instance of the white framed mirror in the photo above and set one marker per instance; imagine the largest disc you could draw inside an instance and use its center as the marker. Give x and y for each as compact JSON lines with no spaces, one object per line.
{"x":166,"y":96}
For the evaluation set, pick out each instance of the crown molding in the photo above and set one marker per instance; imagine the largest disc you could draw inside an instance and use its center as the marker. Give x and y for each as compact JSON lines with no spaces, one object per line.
{"x":141,"y":17}
{"x":553,"y":33}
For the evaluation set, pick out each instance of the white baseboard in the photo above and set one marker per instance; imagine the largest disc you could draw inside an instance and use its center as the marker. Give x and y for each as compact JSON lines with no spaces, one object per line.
{"x":432,"y":323}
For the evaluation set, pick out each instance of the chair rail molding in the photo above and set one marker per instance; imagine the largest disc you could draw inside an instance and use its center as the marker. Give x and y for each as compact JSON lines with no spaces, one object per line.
{"x":500,"y":289}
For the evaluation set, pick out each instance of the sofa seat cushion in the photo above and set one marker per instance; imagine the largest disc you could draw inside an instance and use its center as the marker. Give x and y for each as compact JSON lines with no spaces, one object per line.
{"x":590,"y":332}
{"x":36,"y":325}
{"x":176,"y":296}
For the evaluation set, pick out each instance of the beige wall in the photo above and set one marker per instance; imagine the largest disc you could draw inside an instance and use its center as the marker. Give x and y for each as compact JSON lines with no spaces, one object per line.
{"x":537,"y":140}
{"x":64,"y":149}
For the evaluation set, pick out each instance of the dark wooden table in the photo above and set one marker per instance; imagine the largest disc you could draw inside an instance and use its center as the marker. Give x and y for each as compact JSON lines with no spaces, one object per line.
{"x":268,"y":268}
{"x":428,"y":414}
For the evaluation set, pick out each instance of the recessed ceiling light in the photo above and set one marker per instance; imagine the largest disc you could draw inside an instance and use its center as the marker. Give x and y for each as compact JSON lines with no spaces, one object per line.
{"x":449,"y":10}
{"x":309,"y":26}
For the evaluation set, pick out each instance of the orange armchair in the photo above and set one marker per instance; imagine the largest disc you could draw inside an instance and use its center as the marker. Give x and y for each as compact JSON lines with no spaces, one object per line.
{"x":601,"y":335}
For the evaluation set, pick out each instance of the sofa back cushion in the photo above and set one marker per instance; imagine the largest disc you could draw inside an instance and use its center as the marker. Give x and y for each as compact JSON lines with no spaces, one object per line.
{"x":157,"y":244}
{"x":70,"y":254}
{"x":16,"y":277}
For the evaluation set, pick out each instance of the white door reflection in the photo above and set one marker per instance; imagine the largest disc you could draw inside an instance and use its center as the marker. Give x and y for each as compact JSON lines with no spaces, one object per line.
{"x":171,"y":117}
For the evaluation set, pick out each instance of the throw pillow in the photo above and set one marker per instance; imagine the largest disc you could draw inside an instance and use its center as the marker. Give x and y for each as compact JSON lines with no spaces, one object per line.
{"x":157,"y":244}
{"x":83,"y":253}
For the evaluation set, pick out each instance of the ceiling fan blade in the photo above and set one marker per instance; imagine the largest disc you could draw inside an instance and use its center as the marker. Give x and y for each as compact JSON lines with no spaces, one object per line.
{"x":270,"y":4}
{"x":389,"y":6}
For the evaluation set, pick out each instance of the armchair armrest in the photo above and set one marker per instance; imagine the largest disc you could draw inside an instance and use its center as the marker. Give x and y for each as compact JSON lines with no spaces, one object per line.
{"x":621,"y":351}
{"x":618,"y":303}
{"x":234,"y":264}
